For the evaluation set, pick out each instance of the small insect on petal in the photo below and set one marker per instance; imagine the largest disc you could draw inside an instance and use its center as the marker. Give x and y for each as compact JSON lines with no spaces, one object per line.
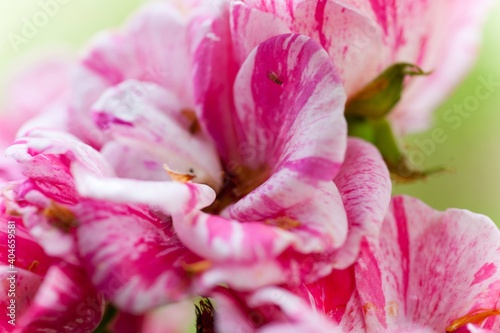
{"x":273,"y":76}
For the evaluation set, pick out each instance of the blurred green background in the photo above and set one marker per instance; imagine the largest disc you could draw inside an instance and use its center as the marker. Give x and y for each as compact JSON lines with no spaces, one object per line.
{"x":471,"y":151}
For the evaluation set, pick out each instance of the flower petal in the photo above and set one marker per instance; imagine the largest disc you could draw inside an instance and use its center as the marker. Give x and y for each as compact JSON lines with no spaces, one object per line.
{"x":38,"y":87}
{"x":268,"y":310}
{"x":47,"y":156}
{"x":365,"y":37}
{"x":214,"y":72}
{"x":365,"y":186}
{"x":133,"y":257}
{"x":347,"y":31}
{"x":439,"y":36}
{"x":153,"y":47}
{"x":65,"y":299}
{"x":146,"y":117}
{"x":290,"y":101}
{"x":26,"y":286}
{"x":295,"y":135}
{"x":170,"y":197}
{"x":428,"y":268}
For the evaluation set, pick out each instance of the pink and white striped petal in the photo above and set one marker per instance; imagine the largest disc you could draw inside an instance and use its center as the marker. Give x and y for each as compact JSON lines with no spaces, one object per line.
{"x":267,"y":310}
{"x":153,"y":47}
{"x":350,"y":36}
{"x":365,"y":37}
{"x":144,"y":116}
{"x":65,"y":299}
{"x":47,"y":156}
{"x":133,"y":257}
{"x":429,"y":268}
{"x":365,"y":187}
{"x":214,"y":72}
{"x":290,"y":102}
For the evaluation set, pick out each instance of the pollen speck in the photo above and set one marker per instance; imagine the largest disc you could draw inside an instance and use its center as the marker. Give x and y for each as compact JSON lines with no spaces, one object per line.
{"x":392,"y":309}
{"x":369,"y":307}
{"x":284,"y":222}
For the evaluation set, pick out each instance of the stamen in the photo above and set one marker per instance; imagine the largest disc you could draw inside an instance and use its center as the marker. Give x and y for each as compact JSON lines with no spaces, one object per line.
{"x":14,"y":213}
{"x":33,"y":266}
{"x":249,"y":179}
{"x":190,"y":115}
{"x":60,"y":216}
{"x":197,"y":267}
{"x":205,"y":317}
{"x":475,"y":317}
{"x":284,"y":222}
{"x":177,"y":176}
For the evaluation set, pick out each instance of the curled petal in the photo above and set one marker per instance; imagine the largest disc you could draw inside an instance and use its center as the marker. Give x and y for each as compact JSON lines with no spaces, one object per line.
{"x":47,"y":156}
{"x":290,"y":101}
{"x":292,"y":113}
{"x":365,"y":187}
{"x":170,"y":197}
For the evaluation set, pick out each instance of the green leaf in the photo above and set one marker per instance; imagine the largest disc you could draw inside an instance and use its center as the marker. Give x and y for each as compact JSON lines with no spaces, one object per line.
{"x":378,"y":98}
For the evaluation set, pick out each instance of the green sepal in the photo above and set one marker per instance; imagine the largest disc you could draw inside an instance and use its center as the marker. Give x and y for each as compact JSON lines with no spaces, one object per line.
{"x":378,"y":98}
{"x":109,"y":315}
{"x":380,"y":134}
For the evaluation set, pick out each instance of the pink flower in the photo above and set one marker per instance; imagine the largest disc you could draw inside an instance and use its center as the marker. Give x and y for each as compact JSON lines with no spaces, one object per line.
{"x":129,"y":251}
{"x":365,"y":37}
{"x":43,"y":292}
{"x":427,"y":272}
{"x":266,"y":140}
{"x":277,"y":124}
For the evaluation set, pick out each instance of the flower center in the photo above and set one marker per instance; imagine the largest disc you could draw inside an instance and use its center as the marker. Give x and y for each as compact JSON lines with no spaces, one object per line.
{"x":475,"y":317}
{"x":60,"y":217}
{"x":237,"y":184}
